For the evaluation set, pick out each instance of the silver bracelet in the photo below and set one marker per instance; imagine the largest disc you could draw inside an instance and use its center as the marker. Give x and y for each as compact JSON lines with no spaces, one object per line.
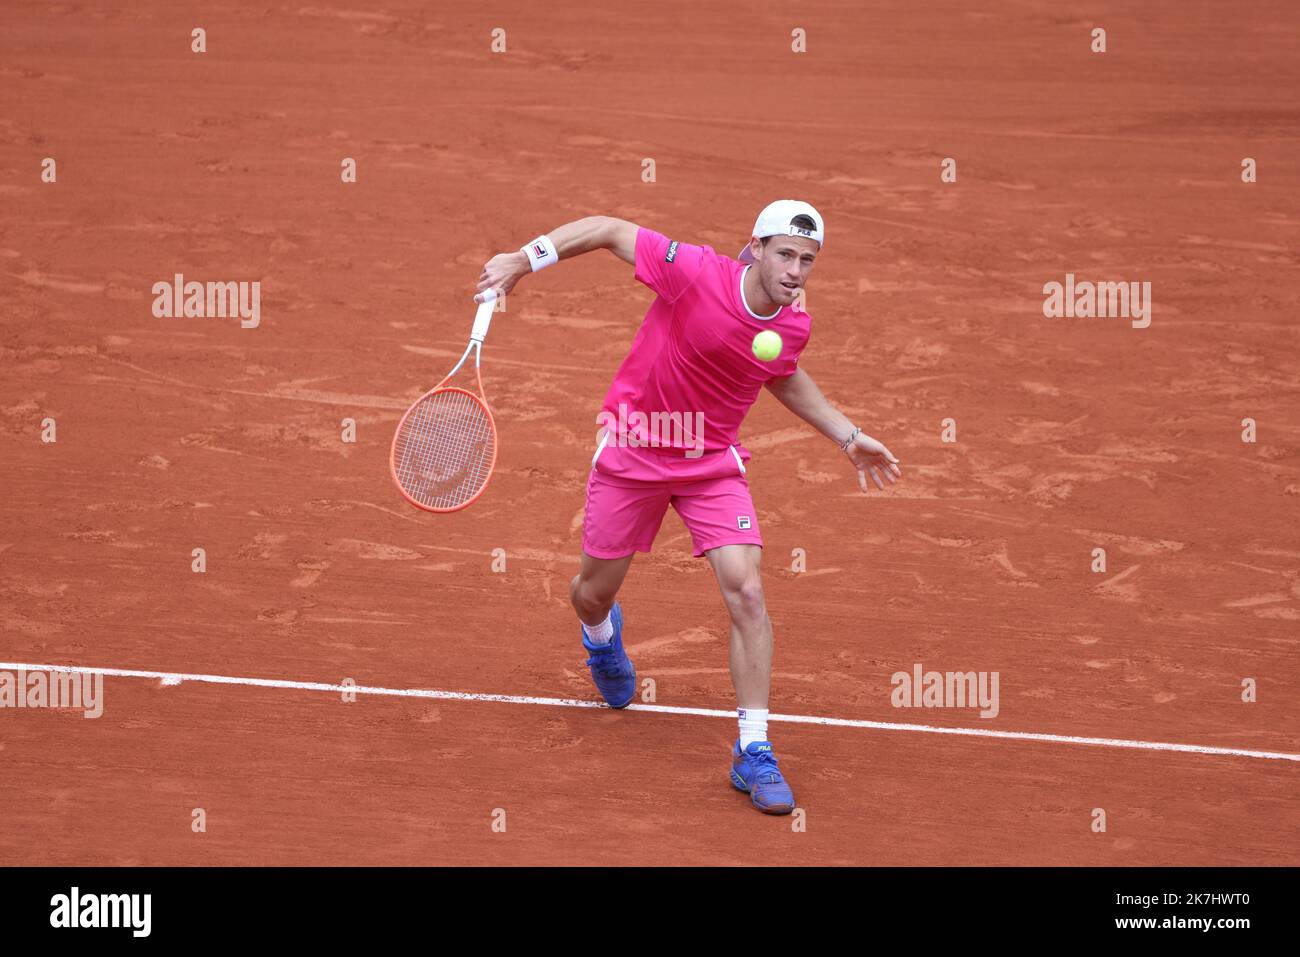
{"x":849,"y":441}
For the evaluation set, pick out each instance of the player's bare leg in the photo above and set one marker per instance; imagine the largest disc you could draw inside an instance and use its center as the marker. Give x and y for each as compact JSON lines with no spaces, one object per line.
{"x":737,"y":570}
{"x":754,"y":767}
{"x":592,"y":592}
{"x":594,"y":588}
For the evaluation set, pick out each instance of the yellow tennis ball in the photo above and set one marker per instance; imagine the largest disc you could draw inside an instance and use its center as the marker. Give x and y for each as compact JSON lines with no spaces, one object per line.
{"x":767,"y":345}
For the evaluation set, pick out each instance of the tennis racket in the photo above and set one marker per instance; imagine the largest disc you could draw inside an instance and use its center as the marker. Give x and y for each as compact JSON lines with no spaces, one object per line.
{"x":445,"y":447}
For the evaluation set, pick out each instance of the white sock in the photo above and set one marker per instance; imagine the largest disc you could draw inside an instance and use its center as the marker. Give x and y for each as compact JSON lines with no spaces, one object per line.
{"x":602,"y":633}
{"x":753,"y":726}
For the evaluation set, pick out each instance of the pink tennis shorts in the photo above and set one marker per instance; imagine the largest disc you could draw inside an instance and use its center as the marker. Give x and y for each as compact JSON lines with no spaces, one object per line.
{"x":629,"y":491}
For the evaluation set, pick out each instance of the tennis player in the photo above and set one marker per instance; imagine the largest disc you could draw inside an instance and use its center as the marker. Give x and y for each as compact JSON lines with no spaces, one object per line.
{"x":671,"y":422}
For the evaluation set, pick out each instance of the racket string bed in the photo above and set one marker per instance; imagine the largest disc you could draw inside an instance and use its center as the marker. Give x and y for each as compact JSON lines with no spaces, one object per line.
{"x":441,"y":467}
{"x":445,"y":447}
{"x":441,"y":446}
{"x":448,"y":436}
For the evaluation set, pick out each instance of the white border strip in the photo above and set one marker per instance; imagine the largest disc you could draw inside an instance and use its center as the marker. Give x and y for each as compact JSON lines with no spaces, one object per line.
{"x":174,"y":678}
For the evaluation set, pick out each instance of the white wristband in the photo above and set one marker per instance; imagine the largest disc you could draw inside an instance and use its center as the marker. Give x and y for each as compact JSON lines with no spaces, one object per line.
{"x":541,"y":253}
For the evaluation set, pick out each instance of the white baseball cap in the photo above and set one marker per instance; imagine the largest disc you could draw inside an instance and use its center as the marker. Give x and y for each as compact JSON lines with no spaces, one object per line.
{"x":775,"y":220}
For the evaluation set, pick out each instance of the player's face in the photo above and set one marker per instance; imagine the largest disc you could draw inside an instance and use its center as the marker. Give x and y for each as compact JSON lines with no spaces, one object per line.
{"x":783,"y":266}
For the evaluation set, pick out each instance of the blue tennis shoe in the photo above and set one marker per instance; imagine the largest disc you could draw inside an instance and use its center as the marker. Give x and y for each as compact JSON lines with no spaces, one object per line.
{"x":755,"y":772}
{"x":611,"y":669}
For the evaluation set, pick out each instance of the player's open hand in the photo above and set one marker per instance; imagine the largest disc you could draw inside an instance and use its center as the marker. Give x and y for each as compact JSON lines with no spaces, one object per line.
{"x":869,"y":455}
{"x":502,"y":272}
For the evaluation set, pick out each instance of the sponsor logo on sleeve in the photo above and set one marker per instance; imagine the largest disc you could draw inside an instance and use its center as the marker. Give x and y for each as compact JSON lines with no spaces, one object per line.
{"x":672,"y":252}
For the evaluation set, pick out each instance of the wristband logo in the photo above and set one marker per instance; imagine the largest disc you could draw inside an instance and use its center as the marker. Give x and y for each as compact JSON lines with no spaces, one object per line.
{"x":540,"y":251}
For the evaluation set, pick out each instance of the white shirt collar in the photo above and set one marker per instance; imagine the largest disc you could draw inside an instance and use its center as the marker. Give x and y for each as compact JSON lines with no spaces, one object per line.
{"x":746,"y":304}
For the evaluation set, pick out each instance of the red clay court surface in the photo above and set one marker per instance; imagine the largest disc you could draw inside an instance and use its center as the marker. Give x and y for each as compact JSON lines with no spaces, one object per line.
{"x":1072,"y":433}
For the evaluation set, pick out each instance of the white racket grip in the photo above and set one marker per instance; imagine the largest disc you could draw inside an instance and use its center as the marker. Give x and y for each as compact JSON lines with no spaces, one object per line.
{"x":483,"y":318}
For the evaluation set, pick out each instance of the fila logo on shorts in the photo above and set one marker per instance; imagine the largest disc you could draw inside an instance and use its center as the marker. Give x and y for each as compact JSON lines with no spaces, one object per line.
{"x":742,"y":522}
{"x":672,"y":252}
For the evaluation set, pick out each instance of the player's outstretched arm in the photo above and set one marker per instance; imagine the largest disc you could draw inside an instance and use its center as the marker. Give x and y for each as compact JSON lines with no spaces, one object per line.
{"x":572,"y":239}
{"x":800,"y":394}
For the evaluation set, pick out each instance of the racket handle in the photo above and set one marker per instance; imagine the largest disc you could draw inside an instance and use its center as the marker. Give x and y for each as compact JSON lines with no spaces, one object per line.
{"x":483,"y":318}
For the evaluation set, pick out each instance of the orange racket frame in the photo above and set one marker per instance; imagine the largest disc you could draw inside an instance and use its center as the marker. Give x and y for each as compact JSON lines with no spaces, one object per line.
{"x":482,"y":320}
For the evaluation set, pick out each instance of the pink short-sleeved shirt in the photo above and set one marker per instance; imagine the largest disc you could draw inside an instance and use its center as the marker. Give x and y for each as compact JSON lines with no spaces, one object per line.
{"x":692,"y":375}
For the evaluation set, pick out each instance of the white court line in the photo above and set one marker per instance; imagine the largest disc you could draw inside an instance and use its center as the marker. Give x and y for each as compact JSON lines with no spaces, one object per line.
{"x":176,"y":678}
